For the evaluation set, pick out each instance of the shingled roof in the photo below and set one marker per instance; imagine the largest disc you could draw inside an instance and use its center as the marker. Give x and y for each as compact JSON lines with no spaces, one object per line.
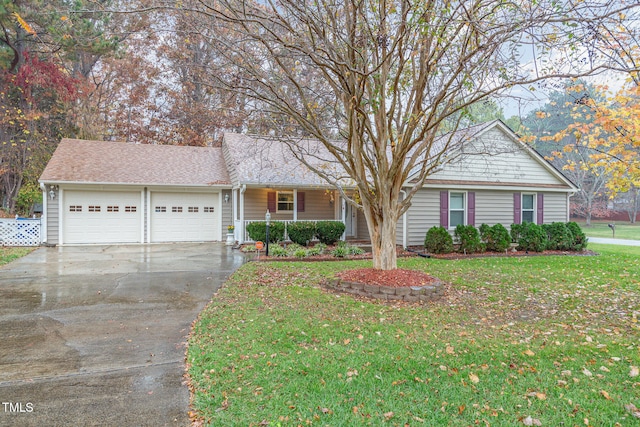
{"x":265,"y":161}
{"x":105,"y":162}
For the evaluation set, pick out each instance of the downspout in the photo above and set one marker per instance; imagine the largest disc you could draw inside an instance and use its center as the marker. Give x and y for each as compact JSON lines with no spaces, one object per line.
{"x":569,"y":196}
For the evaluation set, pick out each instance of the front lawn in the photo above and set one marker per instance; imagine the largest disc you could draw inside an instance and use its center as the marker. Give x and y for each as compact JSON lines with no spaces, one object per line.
{"x":8,"y":254}
{"x":516,"y":341}
{"x":623,"y":230}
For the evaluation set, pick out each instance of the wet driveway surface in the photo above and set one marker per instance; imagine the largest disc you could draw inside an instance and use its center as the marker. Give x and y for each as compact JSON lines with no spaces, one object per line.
{"x":96,"y":335}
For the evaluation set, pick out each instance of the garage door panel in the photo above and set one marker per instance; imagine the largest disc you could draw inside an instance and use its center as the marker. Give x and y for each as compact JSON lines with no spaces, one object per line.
{"x":184,"y":217}
{"x":102,"y":217}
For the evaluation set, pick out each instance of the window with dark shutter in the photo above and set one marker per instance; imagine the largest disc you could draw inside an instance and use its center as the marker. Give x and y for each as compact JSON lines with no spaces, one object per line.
{"x":540,"y":207}
{"x":300,"y":201}
{"x":517,"y":208}
{"x":471,"y":208}
{"x":444,"y":209}
{"x":271,"y":201}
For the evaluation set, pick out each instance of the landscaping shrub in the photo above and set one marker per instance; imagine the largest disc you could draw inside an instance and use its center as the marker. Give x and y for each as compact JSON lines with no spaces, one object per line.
{"x":516,"y":232}
{"x":340,"y":251}
{"x":531,"y":237}
{"x":496,"y":237}
{"x":258,"y":231}
{"x":469,"y":239}
{"x":329,"y":232}
{"x":277,"y":250}
{"x":579,"y":238}
{"x":301,"y":232}
{"x":300,"y":253}
{"x":317,"y":249}
{"x":559,"y":235}
{"x":438,"y":241}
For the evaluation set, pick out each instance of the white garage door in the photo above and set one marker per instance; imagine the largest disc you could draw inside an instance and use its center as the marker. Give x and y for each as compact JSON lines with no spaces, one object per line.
{"x":101,"y":217}
{"x":184,"y":217}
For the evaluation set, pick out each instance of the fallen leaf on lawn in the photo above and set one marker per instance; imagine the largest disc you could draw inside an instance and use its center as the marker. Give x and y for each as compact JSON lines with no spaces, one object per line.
{"x":587,"y":372}
{"x":474,"y":378}
{"x":325,"y":410}
{"x":631,"y":408}
{"x":634,"y":371}
{"x":388,"y":415}
{"x":605,"y":394}
{"x":347,"y":341}
{"x":450,"y":350}
{"x":461,"y":409}
{"x":529,"y":353}
{"x":531,"y":421}
{"x":443,"y":368}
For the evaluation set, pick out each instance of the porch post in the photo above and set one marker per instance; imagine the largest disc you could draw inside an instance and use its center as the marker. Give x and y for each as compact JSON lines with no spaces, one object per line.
{"x":295,"y":204}
{"x":242,"y":228}
{"x":344,"y":217}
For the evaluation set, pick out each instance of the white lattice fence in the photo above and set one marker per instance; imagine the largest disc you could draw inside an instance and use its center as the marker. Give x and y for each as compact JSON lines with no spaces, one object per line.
{"x":20,"y":232}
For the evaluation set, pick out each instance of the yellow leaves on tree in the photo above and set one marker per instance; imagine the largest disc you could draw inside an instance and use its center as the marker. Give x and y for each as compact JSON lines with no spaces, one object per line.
{"x":612,"y":137}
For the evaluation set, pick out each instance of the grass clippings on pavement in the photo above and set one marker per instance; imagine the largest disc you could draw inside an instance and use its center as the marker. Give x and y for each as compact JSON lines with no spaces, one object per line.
{"x":515,"y":341}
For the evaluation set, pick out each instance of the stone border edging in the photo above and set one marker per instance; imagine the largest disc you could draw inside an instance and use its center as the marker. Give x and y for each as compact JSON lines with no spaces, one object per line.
{"x":425,"y":293}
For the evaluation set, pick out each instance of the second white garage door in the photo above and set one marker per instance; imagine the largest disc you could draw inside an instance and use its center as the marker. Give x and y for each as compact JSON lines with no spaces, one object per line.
{"x":184,"y":217}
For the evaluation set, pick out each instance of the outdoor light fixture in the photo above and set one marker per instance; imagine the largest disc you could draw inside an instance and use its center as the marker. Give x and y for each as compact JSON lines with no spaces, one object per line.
{"x":226,"y":198}
{"x":52,"y":192}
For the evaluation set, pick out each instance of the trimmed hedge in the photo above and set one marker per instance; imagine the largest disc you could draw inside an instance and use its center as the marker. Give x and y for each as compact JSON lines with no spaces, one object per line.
{"x":559,"y":235}
{"x":329,"y":232}
{"x":438,"y":241}
{"x":469,"y":239}
{"x":496,"y":237}
{"x":531,"y":237}
{"x":258,"y":231}
{"x":579,"y":238}
{"x":301,"y":232}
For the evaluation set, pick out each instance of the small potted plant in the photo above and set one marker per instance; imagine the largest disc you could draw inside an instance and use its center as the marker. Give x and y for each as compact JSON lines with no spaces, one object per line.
{"x":230,"y":236}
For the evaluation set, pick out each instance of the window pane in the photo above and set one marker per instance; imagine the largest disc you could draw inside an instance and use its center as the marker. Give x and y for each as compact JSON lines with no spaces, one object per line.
{"x":527,"y":201}
{"x":285,"y":201}
{"x":456,"y":201}
{"x":455,"y":218}
{"x":527,"y":216}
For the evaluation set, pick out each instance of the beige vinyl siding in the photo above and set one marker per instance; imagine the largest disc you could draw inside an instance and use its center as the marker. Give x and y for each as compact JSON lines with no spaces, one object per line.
{"x":317,"y":205}
{"x":53,"y":219}
{"x":511,"y":164}
{"x":227,"y":214}
{"x":423,"y":214}
{"x":362,"y":229}
{"x":494,"y":207}
{"x":555,"y":207}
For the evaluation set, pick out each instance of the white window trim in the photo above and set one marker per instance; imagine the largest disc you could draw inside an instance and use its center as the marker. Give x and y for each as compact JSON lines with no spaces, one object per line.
{"x":534,"y":209}
{"x":464,"y":209}
{"x":278,"y":210}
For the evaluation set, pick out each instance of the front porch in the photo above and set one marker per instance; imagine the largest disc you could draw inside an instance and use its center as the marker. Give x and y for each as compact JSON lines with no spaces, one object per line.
{"x":288,"y":205}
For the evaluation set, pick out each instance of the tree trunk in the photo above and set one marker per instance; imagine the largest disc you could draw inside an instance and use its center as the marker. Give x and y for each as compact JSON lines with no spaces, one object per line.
{"x":382,"y":225}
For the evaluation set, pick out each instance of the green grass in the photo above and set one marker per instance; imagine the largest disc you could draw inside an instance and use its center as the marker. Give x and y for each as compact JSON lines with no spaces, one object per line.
{"x":623,"y":230}
{"x":8,"y":254}
{"x":551,"y":338}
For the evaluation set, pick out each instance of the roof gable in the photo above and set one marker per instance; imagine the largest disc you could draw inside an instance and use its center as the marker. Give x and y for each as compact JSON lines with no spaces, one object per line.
{"x":105,"y":162}
{"x":492,"y":154}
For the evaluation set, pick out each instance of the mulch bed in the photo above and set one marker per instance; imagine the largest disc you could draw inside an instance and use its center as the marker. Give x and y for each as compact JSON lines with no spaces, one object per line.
{"x":397,"y":278}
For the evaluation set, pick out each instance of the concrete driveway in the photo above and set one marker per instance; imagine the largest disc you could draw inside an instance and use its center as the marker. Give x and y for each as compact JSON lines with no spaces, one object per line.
{"x":96,"y":335}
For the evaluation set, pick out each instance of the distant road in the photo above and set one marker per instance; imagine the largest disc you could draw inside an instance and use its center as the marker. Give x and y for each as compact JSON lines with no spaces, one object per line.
{"x":614,"y":241}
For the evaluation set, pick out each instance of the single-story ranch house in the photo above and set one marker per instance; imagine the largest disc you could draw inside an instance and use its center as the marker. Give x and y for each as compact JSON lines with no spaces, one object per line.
{"x":100,"y":192}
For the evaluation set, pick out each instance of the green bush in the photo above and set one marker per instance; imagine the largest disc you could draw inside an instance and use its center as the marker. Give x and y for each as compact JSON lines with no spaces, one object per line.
{"x":469,"y":239}
{"x":559,"y":235}
{"x":438,"y":241}
{"x":340,"y":251}
{"x":516,"y":232}
{"x":278,"y":251}
{"x":258,"y":231}
{"x":579,"y":238}
{"x":531,"y":237}
{"x":329,"y":232}
{"x":496,"y":237}
{"x":301,"y":232}
{"x":355,"y":250}
{"x":300,"y":253}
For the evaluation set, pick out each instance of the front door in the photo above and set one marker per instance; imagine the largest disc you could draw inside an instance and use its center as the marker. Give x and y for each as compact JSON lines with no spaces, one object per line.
{"x":350,"y":220}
